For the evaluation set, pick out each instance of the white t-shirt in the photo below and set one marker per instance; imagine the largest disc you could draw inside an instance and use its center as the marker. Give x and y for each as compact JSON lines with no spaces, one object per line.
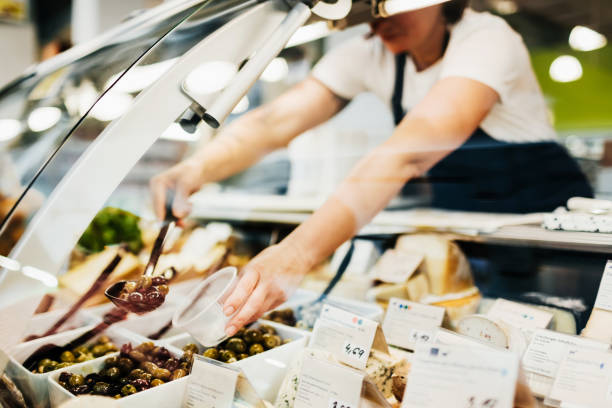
{"x":482,"y":47}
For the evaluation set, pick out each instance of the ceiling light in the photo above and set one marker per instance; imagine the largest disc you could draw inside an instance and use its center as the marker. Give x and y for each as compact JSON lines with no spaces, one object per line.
{"x":277,"y":70}
{"x":585,"y":39}
{"x":566,"y":68}
{"x":40,"y":275}
{"x":242,"y":106}
{"x":41,"y":119}
{"x":111,"y":106}
{"x":9,"y":129}
{"x":140,"y":77}
{"x":210,"y":77}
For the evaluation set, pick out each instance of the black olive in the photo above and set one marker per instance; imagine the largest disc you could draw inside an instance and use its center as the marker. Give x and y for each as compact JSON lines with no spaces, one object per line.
{"x":236,"y":345}
{"x":252,"y":336}
{"x":140,"y":384}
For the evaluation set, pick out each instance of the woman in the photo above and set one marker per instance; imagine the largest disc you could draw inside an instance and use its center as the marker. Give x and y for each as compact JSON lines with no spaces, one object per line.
{"x":476,"y":124}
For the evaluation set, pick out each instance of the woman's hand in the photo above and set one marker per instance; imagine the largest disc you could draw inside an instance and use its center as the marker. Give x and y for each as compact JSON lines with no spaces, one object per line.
{"x":265,"y":282}
{"x":184,"y":178}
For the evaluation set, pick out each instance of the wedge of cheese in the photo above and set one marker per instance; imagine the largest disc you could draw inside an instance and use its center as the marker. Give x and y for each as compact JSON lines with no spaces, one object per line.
{"x":415,"y":289}
{"x":381,"y":368}
{"x":459,"y":308}
{"x":445,"y":266}
{"x":599,"y":326}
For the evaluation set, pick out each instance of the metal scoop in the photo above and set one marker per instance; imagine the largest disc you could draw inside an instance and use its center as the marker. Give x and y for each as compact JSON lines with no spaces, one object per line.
{"x":140,"y":307}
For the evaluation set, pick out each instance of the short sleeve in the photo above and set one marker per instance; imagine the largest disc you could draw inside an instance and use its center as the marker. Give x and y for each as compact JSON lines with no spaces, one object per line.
{"x":342,"y":69}
{"x":494,"y":56}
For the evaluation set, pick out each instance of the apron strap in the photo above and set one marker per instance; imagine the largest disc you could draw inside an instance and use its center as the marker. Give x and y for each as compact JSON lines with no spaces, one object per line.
{"x":398,"y":88}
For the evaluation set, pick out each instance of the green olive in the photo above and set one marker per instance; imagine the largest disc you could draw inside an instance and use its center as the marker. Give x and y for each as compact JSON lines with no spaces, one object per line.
{"x":49,"y":367}
{"x":103,"y":340}
{"x":236,"y":345}
{"x":266,"y":329}
{"x":252,"y":336}
{"x":145,"y":347}
{"x":84,"y":357}
{"x":99,"y":350}
{"x":67,"y":357}
{"x":162,"y":374}
{"x":270,"y":341}
{"x":211,"y":353}
{"x":242,"y":356}
{"x":231,"y":360}
{"x":178,"y":373}
{"x":76,"y":380}
{"x":81,"y":350}
{"x":191,"y":347}
{"x":136,"y":373}
{"x":240,"y":333}
{"x":256,"y":349}
{"x":225,"y":355}
{"x":111,"y":361}
{"x":149,"y":367}
{"x":125,"y":364}
{"x":101,"y":388}
{"x":113,"y":373}
{"x":187,"y":356}
{"x":156,"y":382}
{"x":128,"y":389}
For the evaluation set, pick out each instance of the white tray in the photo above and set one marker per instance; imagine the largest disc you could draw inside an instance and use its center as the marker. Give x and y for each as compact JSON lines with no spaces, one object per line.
{"x":35,"y":386}
{"x":40,"y":323}
{"x":266,"y":370}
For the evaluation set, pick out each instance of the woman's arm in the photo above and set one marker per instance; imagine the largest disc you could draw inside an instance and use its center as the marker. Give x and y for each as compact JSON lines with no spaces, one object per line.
{"x":441,"y":123}
{"x":246,"y":141}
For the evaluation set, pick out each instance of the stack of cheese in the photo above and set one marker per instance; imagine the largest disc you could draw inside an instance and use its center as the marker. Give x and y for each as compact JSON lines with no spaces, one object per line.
{"x":443,"y":278}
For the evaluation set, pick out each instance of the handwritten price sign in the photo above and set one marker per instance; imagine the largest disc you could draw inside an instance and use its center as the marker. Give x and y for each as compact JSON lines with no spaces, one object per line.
{"x":355,"y":351}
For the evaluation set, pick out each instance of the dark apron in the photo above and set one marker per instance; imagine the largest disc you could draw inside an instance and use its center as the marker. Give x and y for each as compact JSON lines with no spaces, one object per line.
{"x":489,"y":175}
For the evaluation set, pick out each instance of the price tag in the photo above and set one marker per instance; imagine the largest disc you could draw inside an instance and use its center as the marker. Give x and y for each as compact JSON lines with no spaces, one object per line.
{"x":211,"y":384}
{"x":319,"y":385}
{"x":604,"y":295}
{"x":524,"y":317}
{"x":408,"y":323}
{"x":584,"y":379}
{"x":547,"y":349}
{"x":459,"y":376}
{"x":348,"y":336}
{"x":397,"y":266}
{"x":449,"y":338}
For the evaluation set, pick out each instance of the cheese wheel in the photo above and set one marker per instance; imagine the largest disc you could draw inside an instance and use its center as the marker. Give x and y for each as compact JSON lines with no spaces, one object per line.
{"x":483,"y":329}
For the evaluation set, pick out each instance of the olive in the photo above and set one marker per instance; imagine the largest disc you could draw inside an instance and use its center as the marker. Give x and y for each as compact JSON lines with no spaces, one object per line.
{"x":252,"y":336}
{"x":101,"y":388}
{"x":271,"y":340}
{"x":156,"y":382}
{"x":111,"y":361}
{"x":144,"y":282}
{"x":80,"y":389}
{"x":178,"y":373}
{"x":63,"y":365}
{"x":129,"y":287}
{"x":80,"y":350}
{"x":256,"y":349}
{"x":113,"y":373}
{"x":48,"y":367}
{"x":137,"y":355}
{"x":149,"y":367}
{"x":240,"y":333}
{"x":135,"y":297}
{"x":158,"y":280}
{"x":76,"y":380}
{"x":117,"y":396}
{"x":162,"y":352}
{"x":67,"y":357}
{"x":84,"y":357}
{"x":110,"y":347}
{"x":128,"y":389}
{"x":187,"y":356}
{"x":93,"y":378}
{"x":123,"y":380}
{"x":136,"y":373}
{"x":163,"y":289}
{"x":145,"y":347}
{"x":171,"y":364}
{"x":266,"y":329}
{"x":104,"y":340}
{"x":242,"y":356}
{"x":191,"y":347}
{"x":231,"y":360}
{"x":225,"y":355}
{"x":99,"y":350}
{"x":125,"y":364}
{"x":185,"y":366}
{"x":64,"y":377}
{"x":140,"y":384}
{"x":236,"y":345}
{"x":162,"y":374}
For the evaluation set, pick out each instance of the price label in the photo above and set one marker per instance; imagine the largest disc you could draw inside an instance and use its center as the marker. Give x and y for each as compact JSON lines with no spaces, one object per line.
{"x":408,"y":323}
{"x":211,"y":385}
{"x":604,"y":294}
{"x":337,"y":329}
{"x":524,"y":317}
{"x":334,"y":403}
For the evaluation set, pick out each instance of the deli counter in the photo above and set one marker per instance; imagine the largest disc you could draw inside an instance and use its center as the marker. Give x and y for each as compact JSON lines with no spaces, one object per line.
{"x":512,"y":304}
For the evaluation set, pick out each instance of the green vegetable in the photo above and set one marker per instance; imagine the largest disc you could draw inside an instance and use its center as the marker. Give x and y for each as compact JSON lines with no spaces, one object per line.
{"x":112,"y":226}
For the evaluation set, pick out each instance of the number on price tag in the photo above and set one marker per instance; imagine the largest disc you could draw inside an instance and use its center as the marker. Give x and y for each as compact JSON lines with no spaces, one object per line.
{"x":354,"y":351}
{"x":334,"y":403}
{"x":474,"y":402}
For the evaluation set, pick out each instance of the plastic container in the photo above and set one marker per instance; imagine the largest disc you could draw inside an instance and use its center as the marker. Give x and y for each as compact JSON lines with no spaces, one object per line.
{"x":201,"y":313}
{"x":168,"y":395}
{"x":35,"y":386}
{"x":266,"y":370}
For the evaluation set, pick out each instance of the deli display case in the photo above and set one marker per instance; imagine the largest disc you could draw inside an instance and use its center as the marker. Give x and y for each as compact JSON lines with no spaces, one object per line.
{"x":82,"y":134}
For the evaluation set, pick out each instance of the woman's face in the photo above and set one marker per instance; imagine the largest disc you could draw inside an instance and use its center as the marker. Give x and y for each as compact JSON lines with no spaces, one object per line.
{"x":408,"y":31}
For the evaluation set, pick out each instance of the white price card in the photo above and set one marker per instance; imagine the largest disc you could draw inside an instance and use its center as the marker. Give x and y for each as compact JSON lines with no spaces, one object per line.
{"x":325,"y":384}
{"x":408,"y":323}
{"x":604,"y":295}
{"x":211,"y":384}
{"x":524,"y":317}
{"x":348,"y":336}
{"x":547,"y":349}
{"x":397,"y":266}
{"x":449,"y":338}
{"x":459,"y":376}
{"x":584,"y":379}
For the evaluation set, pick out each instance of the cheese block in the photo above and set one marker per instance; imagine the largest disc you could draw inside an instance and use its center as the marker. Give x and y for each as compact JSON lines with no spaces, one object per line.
{"x":445,"y":266}
{"x":417,"y":287}
{"x":484,"y":330}
{"x":381,"y":367}
{"x":599,"y":326}
{"x":459,"y":308}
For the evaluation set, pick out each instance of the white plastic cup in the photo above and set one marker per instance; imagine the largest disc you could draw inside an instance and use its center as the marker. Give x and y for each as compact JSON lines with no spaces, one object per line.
{"x":201,"y":313}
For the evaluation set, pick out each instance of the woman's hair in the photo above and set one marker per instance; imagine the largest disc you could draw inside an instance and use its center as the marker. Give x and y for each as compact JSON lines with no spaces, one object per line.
{"x":453,"y":10}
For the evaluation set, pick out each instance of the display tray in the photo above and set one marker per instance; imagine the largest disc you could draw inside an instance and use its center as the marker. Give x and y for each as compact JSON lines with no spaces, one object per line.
{"x":35,"y":386}
{"x":266,"y":370}
{"x":40,"y":323}
{"x":165,"y":395}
